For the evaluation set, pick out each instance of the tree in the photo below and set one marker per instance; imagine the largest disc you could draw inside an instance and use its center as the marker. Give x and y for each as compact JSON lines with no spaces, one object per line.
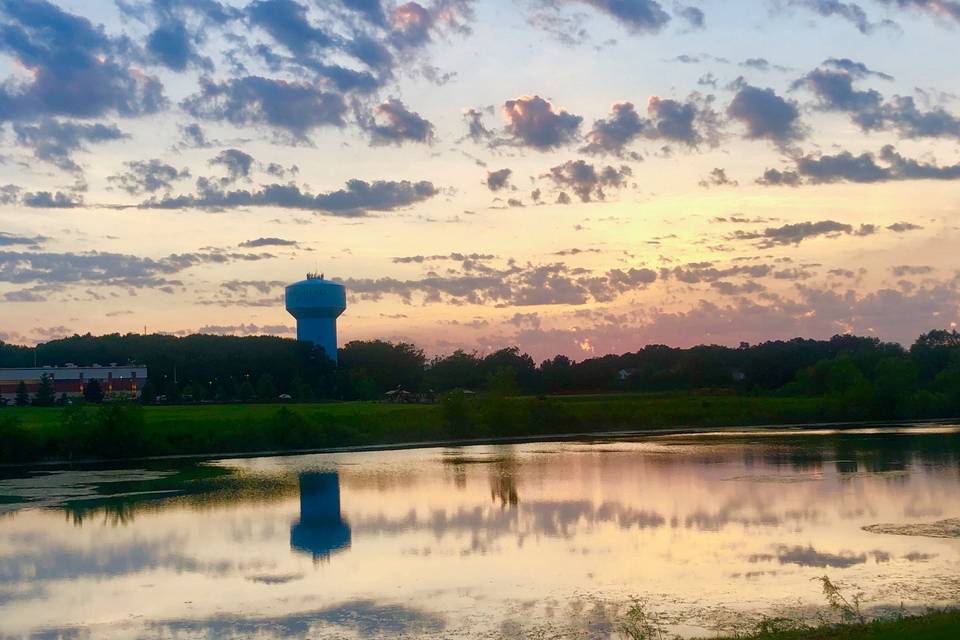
{"x":46,"y":396}
{"x":23,"y":397}
{"x":93,"y":392}
{"x":247,"y":391}
{"x":266,"y":389}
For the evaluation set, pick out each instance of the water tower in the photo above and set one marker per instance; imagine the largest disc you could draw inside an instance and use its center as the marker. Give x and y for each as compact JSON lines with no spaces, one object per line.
{"x":316,"y":303}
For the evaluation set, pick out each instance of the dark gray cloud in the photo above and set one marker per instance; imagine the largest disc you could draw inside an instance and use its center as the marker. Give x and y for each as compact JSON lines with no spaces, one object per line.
{"x":267,"y":242}
{"x":77,"y":69}
{"x":148,"y":176}
{"x":393,"y":123}
{"x":498,"y":179}
{"x":476,"y":130}
{"x":833,"y":84}
{"x":613,"y":133}
{"x":849,"y":11}
{"x":535,"y":122}
{"x":51,"y":200}
{"x":171,"y":45}
{"x":294,"y":107}
{"x":798,"y":232}
{"x":589,"y":181}
{"x":835,"y":91}
{"x":765,"y":114}
{"x":12,"y":240}
{"x":690,"y":122}
{"x":638,"y":16}
{"x":864,"y":168}
{"x":55,"y":141}
{"x":358,"y":198}
{"x":903,"y":227}
{"x":113,"y":269}
{"x":237,"y":163}
{"x":855,"y":69}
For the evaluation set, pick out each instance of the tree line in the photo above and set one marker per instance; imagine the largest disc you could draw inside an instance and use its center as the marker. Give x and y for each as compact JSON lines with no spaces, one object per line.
{"x":864,"y":374}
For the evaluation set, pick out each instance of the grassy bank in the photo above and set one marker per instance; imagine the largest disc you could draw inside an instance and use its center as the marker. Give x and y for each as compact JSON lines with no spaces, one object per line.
{"x":939,"y":625}
{"x":117,"y":431}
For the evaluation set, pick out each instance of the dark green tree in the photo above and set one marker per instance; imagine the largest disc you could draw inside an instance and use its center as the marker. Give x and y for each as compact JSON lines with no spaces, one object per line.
{"x":22,"y":398}
{"x":266,"y":389}
{"x":93,"y":392}
{"x":46,"y":396}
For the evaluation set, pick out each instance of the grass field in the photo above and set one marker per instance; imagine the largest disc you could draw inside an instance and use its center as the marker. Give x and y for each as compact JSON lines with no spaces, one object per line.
{"x":92,"y":432}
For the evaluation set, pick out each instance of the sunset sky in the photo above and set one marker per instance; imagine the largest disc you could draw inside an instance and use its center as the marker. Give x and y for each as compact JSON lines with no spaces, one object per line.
{"x":568,"y":176}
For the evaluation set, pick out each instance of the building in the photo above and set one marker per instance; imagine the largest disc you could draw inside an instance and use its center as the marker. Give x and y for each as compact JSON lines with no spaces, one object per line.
{"x":316,"y":303}
{"x":115,"y":380}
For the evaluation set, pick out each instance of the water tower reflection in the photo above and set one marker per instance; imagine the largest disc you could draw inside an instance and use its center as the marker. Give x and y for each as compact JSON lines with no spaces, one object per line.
{"x":321,"y":531}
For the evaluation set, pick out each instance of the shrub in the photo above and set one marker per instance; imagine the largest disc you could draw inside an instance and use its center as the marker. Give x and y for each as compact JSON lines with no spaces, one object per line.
{"x":17,"y":443}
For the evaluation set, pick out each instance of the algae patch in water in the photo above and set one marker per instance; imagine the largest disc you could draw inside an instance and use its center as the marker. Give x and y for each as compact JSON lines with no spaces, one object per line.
{"x":940,"y":529}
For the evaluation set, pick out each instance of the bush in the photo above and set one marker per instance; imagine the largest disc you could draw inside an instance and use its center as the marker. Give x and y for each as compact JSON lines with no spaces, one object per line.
{"x":17,"y":443}
{"x":456,"y":413}
{"x":113,"y":431}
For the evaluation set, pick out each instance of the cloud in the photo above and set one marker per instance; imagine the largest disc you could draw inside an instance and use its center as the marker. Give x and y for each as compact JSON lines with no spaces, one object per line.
{"x":691,"y":122}
{"x":694,"y":16}
{"x":798,"y":232}
{"x":48,"y":200}
{"x":11,"y":240}
{"x":718,"y":178}
{"x":936,"y":8}
{"x":765,"y":114}
{"x":910,"y":270}
{"x":498,"y":179}
{"x":294,"y":107}
{"x":476,"y":130}
{"x":587,"y":180}
{"x":172,"y":45}
{"x":889,"y":166}
{"x":237,"y":163}
{"x":76,"y":69}
{"x":535,"y":122}
{"x":638,"y":16}
{"x":249,"y":329}
{"x":849,"y":11}
{"x":55,"y":142}
{"x":398,"y":124}
{"x":514,"y":285}
{"x":358,"y":198}
{"x":834,"y":89}
{"x":108,"y":268}
{"x":902,"y":227}
{"x":148,"y":176}
{"x":612,"y":134}
{"x":267,"y":242}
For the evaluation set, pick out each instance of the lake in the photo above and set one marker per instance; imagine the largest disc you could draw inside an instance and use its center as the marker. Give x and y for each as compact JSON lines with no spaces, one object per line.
{"x":555,"y":539}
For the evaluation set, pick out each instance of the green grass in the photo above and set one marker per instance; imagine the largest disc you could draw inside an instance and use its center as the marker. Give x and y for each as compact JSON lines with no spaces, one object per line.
{"x":939,"y":625}
{"x":240,"y":428}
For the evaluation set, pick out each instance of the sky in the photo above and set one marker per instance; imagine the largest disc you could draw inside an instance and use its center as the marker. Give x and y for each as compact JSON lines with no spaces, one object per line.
{"x":568,"y":176}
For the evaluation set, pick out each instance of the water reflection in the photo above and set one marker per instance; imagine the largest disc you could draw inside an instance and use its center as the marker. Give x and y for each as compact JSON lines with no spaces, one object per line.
{"x":321,"y":530}
{"x":501,"y":541}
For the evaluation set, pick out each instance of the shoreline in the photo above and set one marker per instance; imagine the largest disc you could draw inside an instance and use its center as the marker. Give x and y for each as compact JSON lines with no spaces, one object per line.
{"x":693,"y":430}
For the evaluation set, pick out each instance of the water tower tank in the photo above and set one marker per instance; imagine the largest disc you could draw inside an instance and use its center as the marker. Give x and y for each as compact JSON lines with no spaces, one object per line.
{"x":316,"y":303}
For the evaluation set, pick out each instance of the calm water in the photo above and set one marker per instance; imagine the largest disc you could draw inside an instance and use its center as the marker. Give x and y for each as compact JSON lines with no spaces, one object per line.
{"x":540,"y":540}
